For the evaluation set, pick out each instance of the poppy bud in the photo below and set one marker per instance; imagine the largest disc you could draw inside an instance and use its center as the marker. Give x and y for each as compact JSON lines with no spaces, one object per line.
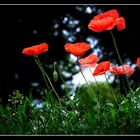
{"x":55,"y":76}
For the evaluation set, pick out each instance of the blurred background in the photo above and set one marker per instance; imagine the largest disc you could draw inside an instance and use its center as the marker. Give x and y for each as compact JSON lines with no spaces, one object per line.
{"x":27,"y":25}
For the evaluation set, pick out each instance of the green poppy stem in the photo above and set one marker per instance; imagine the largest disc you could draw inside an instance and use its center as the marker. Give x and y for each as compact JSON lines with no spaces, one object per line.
{"x":93,"y":77}
{"x":112,"y":90}
{"x":88,"y":85}
{"x":66,"y":87}
{"x":45,"y":74}
{"x":119,"y":57}
{"x":83,"y":74}
{"x":42,"y":71}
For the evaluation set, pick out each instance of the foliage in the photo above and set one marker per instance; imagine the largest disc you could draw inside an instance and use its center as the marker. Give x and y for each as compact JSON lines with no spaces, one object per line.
{"x":82,"y":115}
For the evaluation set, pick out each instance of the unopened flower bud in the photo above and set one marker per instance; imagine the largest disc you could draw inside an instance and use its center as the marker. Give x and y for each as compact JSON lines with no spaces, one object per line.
{"x":55,"y":76}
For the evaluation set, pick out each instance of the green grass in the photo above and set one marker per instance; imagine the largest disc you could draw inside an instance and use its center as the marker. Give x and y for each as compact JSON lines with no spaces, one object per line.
{"x":91,"y":112}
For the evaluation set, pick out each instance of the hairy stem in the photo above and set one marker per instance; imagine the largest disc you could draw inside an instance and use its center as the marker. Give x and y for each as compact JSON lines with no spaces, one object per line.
{"x":88,"y":85}
{"x":119,"y":57}
{"x":45,"y":74}
{"x":112,"y":90}
{"x":66,"y":87}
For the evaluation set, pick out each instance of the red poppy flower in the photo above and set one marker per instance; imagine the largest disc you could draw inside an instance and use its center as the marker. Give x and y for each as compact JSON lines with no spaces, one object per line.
{"x":36,"y":49}
{"x":107,"y":21}
{"x":102,"y":68}
{"x":89,"y":61}
{"x":138,"y":62}
{"x":124,"y":69}
{"x":77,"y":49}
{"x":102,"y":24}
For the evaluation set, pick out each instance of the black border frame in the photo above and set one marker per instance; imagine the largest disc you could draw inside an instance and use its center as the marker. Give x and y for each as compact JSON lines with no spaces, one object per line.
{"x":69,"y":1}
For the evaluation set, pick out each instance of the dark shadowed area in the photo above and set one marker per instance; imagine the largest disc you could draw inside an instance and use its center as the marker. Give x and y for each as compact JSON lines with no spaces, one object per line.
{"x":27,"y":25}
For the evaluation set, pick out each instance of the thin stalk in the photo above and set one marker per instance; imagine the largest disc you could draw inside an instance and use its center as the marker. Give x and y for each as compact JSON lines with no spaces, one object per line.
{"x":42,"y":69}
{"x":88,"y":84}
{"x":93,"y":77}
{"x":116,"y":48}
{"x":111,"y":90}
{"x":66,"y":87}
{"x":121,"y":79}
{"x":92,"y":74}
{"x":97,"y":86}
{"x":83,"y":74}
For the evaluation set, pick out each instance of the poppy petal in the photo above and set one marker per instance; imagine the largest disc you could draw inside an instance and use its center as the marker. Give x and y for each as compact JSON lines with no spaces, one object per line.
{"x":124,"y":69}
{"x":91,"y":59}
{"x":36,"y":49}
{"x":88,"y":65}
{"x":120,"y":22}
{"x":107,"y":23}
{"x":77,"y":49}
{"x":111,"y":13}
{"x":138,"y":62}
{"x":102,"y":68}
{"x":28,"y":51}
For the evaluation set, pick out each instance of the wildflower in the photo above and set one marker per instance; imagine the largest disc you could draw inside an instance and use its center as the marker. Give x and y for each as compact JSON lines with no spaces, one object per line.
{"x":77,"y":49}
{"x":36,"y":49}
{"x":89,"y":61}
{"x":138,"y":62}
{"x":102,"y":68}
{"x":107,"y":21}
{"x":123,"y":69}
